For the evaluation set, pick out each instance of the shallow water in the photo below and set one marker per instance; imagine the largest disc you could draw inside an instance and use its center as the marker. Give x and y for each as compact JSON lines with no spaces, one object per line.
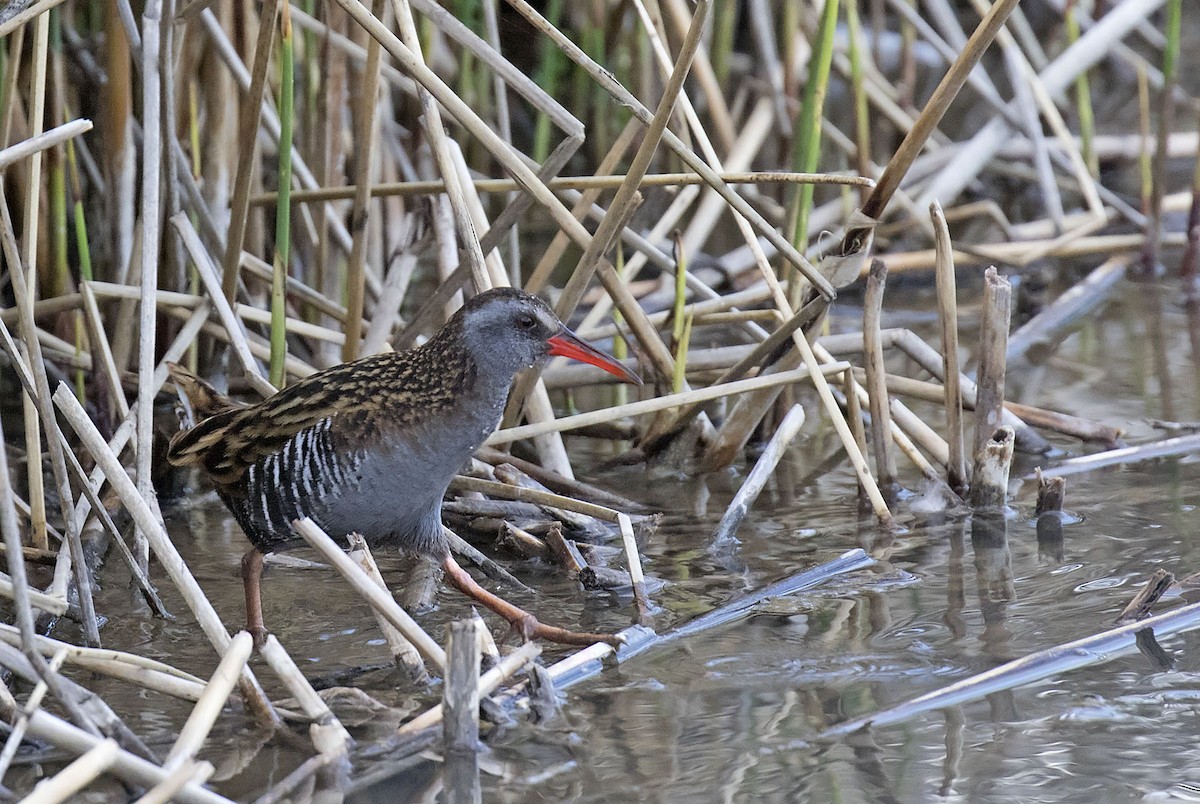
{"x":729,"y":715}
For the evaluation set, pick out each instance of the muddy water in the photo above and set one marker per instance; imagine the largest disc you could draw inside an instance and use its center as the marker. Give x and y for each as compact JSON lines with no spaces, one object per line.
{"x":729,"y":715}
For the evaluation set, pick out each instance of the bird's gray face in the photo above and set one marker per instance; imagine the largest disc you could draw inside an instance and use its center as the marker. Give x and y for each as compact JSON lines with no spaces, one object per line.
{"x":511,"y":332}
{"x":508,"y":330}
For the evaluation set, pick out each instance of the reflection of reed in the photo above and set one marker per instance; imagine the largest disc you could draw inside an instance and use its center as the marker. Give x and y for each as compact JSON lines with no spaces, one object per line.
{"x":954,"y":749}
{"x":993,"y":569}
{"x":956,"y":593}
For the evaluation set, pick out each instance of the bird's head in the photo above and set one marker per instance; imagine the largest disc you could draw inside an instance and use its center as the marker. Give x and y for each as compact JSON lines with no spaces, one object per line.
{"x":508,"y":330}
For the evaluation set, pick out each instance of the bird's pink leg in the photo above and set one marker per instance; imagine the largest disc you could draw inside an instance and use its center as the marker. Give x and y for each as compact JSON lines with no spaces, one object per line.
{"x":252,"y":567}
{"x":522,"y":621}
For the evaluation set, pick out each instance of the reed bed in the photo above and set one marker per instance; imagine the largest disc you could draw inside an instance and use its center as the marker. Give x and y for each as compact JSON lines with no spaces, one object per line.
{"x":263,"y":190}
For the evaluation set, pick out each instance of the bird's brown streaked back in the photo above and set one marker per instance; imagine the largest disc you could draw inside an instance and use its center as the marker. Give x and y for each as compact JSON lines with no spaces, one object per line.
{"x":362,"y":398}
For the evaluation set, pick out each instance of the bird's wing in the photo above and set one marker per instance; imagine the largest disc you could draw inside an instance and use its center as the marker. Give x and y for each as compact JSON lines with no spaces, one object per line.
{"x":358,"y":398}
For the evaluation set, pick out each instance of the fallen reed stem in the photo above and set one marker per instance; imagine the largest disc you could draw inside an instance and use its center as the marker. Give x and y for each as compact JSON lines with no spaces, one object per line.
{"x":757,"y":479}
{"x":379,"y":598}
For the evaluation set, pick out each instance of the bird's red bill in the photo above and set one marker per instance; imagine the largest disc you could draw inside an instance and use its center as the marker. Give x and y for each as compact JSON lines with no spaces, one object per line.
{"x":568,"y":344}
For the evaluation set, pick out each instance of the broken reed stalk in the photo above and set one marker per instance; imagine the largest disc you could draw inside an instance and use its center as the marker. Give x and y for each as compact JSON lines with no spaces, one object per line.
{"x":753,"y":485}
{"x":876,"y":385}
{"x":460,"y":693}
{"x":993,"y":350}
{"x":634,"y":562}
{"x":328,"y":735}
{"x":989,"y":483}
{"x":947,"y":295}
{"x":508,"y":667}
{"x":1051,"y":494}
{"x":403,"y":653}
{"x":1139,"y":608}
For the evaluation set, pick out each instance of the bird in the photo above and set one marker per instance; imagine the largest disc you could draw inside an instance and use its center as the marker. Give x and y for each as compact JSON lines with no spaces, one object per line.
{"x":370,"y":446}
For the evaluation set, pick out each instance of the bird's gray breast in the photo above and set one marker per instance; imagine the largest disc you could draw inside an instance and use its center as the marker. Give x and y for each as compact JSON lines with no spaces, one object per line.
{"x":391,"y":490}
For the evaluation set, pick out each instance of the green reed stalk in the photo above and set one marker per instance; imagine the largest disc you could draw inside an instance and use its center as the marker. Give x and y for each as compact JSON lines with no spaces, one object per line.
{"x":724,"y":17}
{"x":548,"y":74}
{"x":1083,"y":100}
{"x":283,"y":218}
{"x":807,"y":150}
{"x":862,"y":120}
{"x":620,"y":347}
{"x":681,"y":330}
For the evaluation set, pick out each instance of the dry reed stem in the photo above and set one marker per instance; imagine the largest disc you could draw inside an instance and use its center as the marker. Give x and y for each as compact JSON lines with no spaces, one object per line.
{"x":993,"y":460}
{"x":508,"y":666}
{"x":876,"y":377}
{"x":145,"y":672}
{"x":75,"y":776}
{"x":624,"y":201}
{"x":947,"y":296}
{"x":634,"y":561}
{"x":190,"y":772}
{"x":606,"y":80}
{"x":108,"y":463}
{"x":460,"y":693}
{"x":599,"y":182}
{"x":403,"y":653}
{"x":250,"y":114}
{"x":32,"y":703}
{"x":914,"y":141}
{"x":993,"y":349}
{"x":328,"y":735}
{"x":46,"y":726}
{"x":41,"y":142}
{"x":360,"y":217}
{"x":753,"y":485}
{"x":220,"y":300}
{"x":216,"y":694}
{"x":1094,"y":45}
{"x":510,"y":434}
{"x":38,"y":395}
{"x":379,"y":598}
{"x":435,"y":134}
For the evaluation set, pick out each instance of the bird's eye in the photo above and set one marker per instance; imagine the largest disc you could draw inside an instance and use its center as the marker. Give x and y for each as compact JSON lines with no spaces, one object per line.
{"x":526,"y":321}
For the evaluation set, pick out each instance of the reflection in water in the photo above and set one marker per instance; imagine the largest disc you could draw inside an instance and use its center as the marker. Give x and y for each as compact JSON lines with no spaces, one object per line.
{"x":460,"y":778}
{"x":954,"y":749}
{"x":994,"y":577}
{"x":1148,"y":646}
{"x":1050,"y":536}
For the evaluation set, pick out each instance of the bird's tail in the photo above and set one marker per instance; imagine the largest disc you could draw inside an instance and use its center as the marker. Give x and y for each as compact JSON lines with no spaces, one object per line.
{"x":204,"y":400}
